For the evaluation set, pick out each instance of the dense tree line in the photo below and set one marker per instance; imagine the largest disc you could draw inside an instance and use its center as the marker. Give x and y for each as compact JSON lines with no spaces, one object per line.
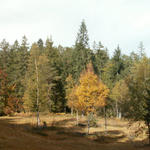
{"x":42,"y":77}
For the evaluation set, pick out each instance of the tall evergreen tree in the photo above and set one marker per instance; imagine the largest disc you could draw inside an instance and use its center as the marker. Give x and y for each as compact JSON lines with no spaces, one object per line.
{"x":141,"y":50}
{"x":100,"y":58}
{"x":40,"y":44}
{"x":82,"y":53}
{"x":117,"y":60}
{"x":82,"y":36}
{"x":39,"y":83}
{"x":4,"y":55}
{"x":139,"y":91}
{"x":22,"y":59}
{"x":58,"y":101}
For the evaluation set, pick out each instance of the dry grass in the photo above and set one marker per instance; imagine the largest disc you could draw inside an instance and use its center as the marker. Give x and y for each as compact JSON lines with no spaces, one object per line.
{"x":60,"y":133}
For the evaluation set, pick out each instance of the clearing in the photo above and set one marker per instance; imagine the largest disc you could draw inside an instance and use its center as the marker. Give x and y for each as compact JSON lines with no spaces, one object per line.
{"x":61,"y":133}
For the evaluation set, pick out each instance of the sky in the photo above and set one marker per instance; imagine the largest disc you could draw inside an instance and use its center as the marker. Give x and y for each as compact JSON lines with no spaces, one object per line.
{"x":113,"y":22}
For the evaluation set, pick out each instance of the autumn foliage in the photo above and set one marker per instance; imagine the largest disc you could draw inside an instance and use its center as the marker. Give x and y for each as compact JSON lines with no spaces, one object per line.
{"x":9,"y":103}
{"x":90,"y":93}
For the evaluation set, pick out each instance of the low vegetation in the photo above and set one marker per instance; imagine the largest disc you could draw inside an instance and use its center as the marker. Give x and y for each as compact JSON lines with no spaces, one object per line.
{"x":60,"y":132}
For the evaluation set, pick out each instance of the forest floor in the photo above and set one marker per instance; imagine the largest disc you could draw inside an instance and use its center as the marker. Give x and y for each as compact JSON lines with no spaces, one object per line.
{"x":60,"y":132}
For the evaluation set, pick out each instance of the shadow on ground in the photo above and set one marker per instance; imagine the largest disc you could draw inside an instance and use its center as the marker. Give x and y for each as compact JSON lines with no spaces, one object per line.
{"x":60,"y":138}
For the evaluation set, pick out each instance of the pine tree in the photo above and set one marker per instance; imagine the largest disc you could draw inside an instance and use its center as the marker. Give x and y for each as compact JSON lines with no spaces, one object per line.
{"x":113,"y":69}
{"x":139,"y":91}
{"x":22,"y":64}
{"x":41,"y":78}
{"x":118,"y":64}
{"x":141,"y":50}
{"x":4,"y":56}
{"x":40,"y":44}
{"x":82,"y":53}
{"x":70,"y":92}
{"x":58,"y":101}
{"x":82,"y":37}
{"x":2,"y":91}
{"x":36,"y":80}
{"x":100,"y":58}
{"x":67,"y":63}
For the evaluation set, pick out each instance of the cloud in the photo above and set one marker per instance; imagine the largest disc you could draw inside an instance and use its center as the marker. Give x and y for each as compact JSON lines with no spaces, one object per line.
{"x":123,"y":22}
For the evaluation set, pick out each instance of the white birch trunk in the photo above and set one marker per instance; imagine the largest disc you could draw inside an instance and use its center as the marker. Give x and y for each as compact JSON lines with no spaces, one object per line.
{"x":37,"y":93}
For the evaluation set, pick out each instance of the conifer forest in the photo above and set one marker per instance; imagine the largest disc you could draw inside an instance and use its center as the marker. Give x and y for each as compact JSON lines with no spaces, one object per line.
{"x":80,"y":80}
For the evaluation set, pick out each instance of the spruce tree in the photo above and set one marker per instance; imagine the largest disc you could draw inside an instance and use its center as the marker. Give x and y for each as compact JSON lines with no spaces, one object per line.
{"x":82,"y":53}
{"x":22,"y":61}
{"x":100,"y":58}
{"x":38,"y":81}
{"x":4,"y":55}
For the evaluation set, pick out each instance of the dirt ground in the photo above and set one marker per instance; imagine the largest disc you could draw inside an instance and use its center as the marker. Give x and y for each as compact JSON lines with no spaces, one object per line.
{"x":59,"y":132}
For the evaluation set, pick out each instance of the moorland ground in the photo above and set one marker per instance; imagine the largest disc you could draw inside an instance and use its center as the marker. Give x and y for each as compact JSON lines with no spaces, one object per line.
{"x":59,"y":132}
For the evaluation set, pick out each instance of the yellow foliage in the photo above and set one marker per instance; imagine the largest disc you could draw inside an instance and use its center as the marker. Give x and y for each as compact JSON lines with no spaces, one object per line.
{"x":120,"y":91}
{"x":72,"y":98}
{"x":60,"y":114}
{"x":91,"y":92}
{"x":70,"y":91}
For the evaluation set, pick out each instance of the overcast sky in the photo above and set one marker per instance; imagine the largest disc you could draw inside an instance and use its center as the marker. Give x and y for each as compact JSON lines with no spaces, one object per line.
{"x":113,"y":22}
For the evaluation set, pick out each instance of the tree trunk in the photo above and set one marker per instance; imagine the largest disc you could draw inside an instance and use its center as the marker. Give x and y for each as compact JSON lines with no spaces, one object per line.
{"x":120,"y":115}
{"x":49,"y":100}
{"x":117,"y":112}
{"x":37,"y":93}
{"x":105,"y":119}
{"x":50,"y":107}
{"x":88,"y":126}
{"x":90,"y":117}
{"x":38,"y":119}
{"x":82,"y":113}
{"x":72,"y":111}
{"x":77,"y":116}
{"x":148,"y":124}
